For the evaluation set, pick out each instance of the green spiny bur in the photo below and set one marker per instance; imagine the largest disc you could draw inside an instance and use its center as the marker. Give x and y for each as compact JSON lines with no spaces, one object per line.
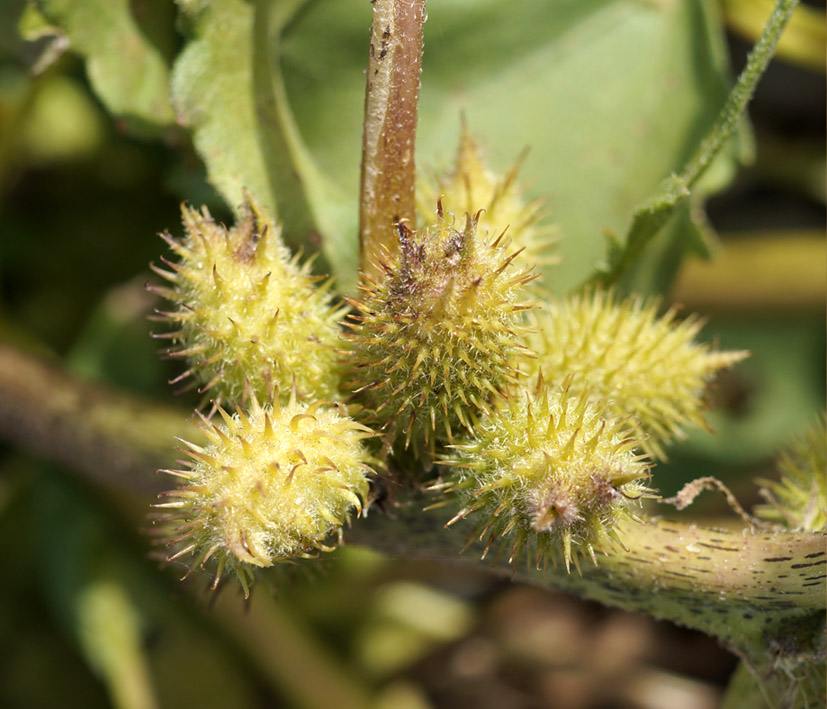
{"x":441,"y":334}
{"x":246,"y":311}
{"x":274,"y":483}
{"x":622,"y":352}
{"x":546,"y":472}
{"x":799,"y":499}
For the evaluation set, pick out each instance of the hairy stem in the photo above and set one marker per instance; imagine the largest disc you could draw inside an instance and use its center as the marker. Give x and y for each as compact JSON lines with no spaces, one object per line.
{"x":746,"y":588}
{"x":391,"y":101}
{"x":740,"y":95}
{"x":732,"y":584}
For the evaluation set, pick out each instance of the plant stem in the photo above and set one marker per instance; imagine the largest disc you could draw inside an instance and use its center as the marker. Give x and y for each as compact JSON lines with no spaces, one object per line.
{"x":698,"y":577}
{"x":110,"y":437}
{"x":746,"y":588}
{"x":391,"y":102}
{"x":741,"y":93}
{"x":761,"y":594}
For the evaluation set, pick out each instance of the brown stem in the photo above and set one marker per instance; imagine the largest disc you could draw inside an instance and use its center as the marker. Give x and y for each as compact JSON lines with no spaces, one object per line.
{"x":391,"y":101}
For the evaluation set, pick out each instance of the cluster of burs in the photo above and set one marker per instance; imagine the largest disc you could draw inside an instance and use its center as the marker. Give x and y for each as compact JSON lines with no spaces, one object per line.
{"x":537,"y":420}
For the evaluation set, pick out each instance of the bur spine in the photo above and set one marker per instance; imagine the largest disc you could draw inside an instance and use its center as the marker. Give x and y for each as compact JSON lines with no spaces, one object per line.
{"x":245,"y":312}
{"x":546,"y":473}
{"x":440,"y":334}
{"x":646,"y":366}
{"x":274,"y":483}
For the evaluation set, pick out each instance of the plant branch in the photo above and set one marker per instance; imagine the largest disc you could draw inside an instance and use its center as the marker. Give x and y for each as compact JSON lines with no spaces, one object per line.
{"x":702,"y":578}
{"x":109,"y":437}
{"x":741,"y":93}
{"x":391,"y":101}
{"x":743,"y":587}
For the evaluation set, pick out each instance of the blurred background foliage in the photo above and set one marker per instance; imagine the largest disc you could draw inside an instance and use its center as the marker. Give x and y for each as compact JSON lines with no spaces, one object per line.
{"x":114,"y":111}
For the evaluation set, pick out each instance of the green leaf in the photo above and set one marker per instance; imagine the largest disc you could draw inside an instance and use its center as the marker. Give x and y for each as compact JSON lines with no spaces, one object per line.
{"x":227,"y":86}
{"x":609,"y":95}
{"x":652,"y":215}
{"x":126,"y":68}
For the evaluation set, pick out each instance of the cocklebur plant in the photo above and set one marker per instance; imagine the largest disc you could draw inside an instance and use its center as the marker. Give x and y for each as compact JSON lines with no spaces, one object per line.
{"x":645,"y":365}
{"x":575,"y":495}
{"x":245,"y":313}
{"x":550,"y":465}
{"x":275,"y":483}
{"x":436,"y":352}
{"x":547,"y":471}
{"x":440,"y":333}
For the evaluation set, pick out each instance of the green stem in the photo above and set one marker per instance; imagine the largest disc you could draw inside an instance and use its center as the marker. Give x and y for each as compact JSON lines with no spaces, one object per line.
{"x":741,"y":93}
{"x":109,"y":437}
{"x":762,"y":594}
{"x":746,"y":588}
{"x":731,"y":584}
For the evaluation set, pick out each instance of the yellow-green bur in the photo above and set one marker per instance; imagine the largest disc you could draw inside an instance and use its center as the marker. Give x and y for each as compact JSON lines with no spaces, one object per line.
{"x":548,"y":473}
{"x":245,"y":311}
{"x":275,"y":483}
{"x":440,"y":335}
{"x":470,"y":185}
{"x":799,"y":499}
{"x":644,"y":366}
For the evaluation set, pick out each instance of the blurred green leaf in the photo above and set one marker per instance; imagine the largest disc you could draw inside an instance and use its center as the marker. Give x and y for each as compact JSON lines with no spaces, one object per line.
{"x":109,"y":634}
{"x":64,"y":122}
{"x":611,"y":96}
{"x":235,"y":103}
{"x":127,"y":70}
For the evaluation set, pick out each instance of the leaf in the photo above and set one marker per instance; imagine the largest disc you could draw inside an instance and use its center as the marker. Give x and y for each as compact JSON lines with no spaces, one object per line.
{"x":228,"y":88}
{"x":609,"y":95}
{"x":127,"y":71}
{"x":652,"y":215}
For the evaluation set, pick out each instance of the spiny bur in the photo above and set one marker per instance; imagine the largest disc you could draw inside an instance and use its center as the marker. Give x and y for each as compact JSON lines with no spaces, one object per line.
{"x":645,"y":366}
{"x":799,"y":499}
{"x":546,"y":472}
{"x":274,"y":483}
{"x":440,"y":334}
{"x":471,"y":185}
{"x":245,"y":310}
